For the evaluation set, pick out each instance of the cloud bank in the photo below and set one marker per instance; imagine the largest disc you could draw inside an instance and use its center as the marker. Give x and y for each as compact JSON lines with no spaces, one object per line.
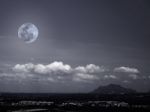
{"x":58,"y":71}
{"x":59,"y":75}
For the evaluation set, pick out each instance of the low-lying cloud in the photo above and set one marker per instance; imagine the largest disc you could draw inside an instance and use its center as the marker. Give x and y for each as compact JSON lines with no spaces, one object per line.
{"x":126,"y":69}
{"x":60,"y":71}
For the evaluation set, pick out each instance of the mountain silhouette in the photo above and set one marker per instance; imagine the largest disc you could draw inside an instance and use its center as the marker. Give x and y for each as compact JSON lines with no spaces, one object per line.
{"x":113,"y":89}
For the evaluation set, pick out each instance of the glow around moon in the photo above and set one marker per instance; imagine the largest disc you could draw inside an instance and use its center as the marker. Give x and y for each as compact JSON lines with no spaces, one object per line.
{"x":28,"y":32}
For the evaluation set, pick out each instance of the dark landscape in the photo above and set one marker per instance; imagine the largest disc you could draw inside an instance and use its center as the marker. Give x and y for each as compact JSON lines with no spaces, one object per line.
{"x":89,"y":102}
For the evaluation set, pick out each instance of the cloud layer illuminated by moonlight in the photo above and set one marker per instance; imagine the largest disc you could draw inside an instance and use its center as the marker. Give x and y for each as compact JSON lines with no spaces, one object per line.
{"x":58,"y":75}
{"x":60,"y":72}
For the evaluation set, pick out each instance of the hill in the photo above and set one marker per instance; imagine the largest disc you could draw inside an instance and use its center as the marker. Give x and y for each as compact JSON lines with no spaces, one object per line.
{"x":113,"y":89}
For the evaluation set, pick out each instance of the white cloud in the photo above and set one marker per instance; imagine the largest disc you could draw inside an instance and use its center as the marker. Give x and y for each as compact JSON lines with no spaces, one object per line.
{"x":60,"y":71}
{"x":110,"y":77}
{"x":23,"y":68}
{"x":91,"y":68}
{"x":43,"y":69}
{"x":126,"y":70}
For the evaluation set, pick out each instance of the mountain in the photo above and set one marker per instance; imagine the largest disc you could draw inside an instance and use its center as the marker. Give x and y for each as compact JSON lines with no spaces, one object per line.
{"x":113,"y":89}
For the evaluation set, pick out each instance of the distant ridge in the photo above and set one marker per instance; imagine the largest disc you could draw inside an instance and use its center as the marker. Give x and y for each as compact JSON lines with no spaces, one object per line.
{"x":113,"y":89}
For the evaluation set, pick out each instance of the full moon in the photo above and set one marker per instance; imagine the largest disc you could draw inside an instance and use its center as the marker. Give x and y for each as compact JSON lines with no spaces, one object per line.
{"x":28,"y":32}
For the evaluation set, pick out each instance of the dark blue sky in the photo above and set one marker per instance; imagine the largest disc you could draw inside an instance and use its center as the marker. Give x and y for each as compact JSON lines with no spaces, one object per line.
{"x":106,"y":33}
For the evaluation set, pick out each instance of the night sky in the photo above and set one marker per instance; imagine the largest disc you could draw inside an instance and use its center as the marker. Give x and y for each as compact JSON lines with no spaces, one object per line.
{"x":82,"y":44}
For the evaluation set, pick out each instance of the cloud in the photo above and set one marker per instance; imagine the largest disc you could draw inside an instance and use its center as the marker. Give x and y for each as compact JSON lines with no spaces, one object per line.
{"x":110,"y":77}
{"x":59,"y":71}
{"x":43,"y":69}
{"x":126,"y":70}
{"x":134,"y":76}
{"x":91,"y":68}
{"x":23,"y":68}
{"x":80,"y":77}
{"x":88,"y":73}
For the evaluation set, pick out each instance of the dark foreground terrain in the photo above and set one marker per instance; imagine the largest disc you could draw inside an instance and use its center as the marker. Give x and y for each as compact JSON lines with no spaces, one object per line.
{"x":21,"y":102}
